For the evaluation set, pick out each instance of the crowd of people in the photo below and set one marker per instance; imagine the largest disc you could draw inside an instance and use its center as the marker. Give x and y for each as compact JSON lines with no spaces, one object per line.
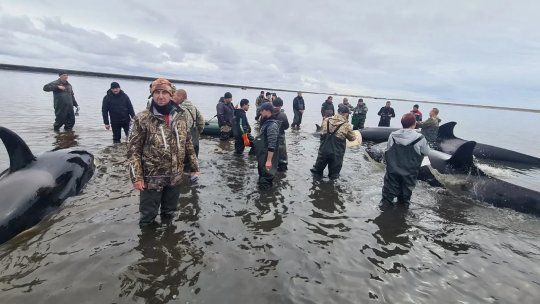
{"x":163,"y":141}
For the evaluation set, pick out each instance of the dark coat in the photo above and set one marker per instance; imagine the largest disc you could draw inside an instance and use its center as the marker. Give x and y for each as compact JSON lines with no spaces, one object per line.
{"x":118,"y":107}
{"x":61,"y":98}
{"x":327,"y":109}
{"x":241,"y":123}
{"x":225,"y":113}
{"x":298,"y":103}
{"x":283,"y":120}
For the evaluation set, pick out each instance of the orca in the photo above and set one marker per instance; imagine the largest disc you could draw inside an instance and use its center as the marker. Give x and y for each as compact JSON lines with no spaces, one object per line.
{"x":34,"y":186}
{"x":448,"y":143}
{"x":468,"y":180}
{"x":376,"y":134}
{"x":459,"y":174}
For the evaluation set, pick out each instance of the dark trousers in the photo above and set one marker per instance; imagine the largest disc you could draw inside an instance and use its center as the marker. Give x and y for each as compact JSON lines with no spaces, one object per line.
{"x":152,"y":200}
{"x":64,"y":116}
{"x":266,"y":177}
{"x":283,"y":159}
{"x":239,"y":144}
{"x":334,"y":165}
{"x":297,"y":120}
{"x":117,"y":130}
{"x":384,"y":122}
{"x":398,"y":186}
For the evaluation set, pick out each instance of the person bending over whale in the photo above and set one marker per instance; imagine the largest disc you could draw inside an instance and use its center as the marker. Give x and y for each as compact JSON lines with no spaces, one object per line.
{"x":157,"y":146}
{"x":430,"y":127}
{"x":335,"y":131}
{"x":406,"y":149}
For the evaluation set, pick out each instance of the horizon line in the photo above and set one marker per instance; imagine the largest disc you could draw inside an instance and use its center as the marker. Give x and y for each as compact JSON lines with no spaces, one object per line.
{"x":26,"y":68}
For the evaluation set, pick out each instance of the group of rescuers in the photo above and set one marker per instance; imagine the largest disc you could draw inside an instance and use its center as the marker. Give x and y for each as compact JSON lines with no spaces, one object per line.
{"x":163,"y":139}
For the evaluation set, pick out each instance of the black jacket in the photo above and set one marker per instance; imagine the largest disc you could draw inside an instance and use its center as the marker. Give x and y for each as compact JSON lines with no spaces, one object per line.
{"x":327,"y":109}
{"x":298,"y":103}
{"x":283,"y":120}
{"x":240,"y":119}
{"x":385,"y":112}
{"x":118,"y":107}
{"x":225,"y":113}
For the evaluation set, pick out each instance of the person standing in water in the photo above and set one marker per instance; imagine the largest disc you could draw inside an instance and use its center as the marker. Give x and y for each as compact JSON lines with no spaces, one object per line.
{"x":241,"y":126}
{"x":266,"y":147}
{"x":347,"y":104}
{"x":194,"y":118}
{"x":386,"y":113}
{"x":405,"y":151}
{"x":336,"y":130}
{"x":298,"y":109}
{"x":359,"y":115}
{"x":327,"y":108}
{"x":158,"y":144}
{"x":417,"y":114}
{"x":430,"y":127}
{"x":117,"y":105}
{"x":64,"y":101}
{"x":225,"y":115}
{"x":279,"y":115}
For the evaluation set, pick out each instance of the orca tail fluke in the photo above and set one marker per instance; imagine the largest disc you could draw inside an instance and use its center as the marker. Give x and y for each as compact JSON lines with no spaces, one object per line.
{"x":18,"y":151}
{"x":446,"y":131}
{"x":462,"y":160}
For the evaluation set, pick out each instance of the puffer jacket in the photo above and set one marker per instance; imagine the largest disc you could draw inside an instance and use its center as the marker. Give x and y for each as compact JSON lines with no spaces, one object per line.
{"x":156,"y":151}
{"x":344,"y":132}
{"x":118,"y":107}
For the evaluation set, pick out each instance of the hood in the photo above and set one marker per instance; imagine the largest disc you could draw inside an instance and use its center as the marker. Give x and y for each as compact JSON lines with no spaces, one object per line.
{"x":110,"y":93}
{"x":405,"y":136}
{"x":337,"y":119}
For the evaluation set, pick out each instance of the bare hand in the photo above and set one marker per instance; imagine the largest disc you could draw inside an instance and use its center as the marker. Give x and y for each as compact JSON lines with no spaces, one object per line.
{"x":139,"y":185}
{"x":107,"y":127}
{"x":301,"y":111}
{"x":61,"y":87}
{"x":268,"y":165}
{"x":197,"y":174}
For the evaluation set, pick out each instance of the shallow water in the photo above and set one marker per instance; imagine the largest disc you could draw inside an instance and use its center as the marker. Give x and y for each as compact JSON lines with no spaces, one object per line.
{"x":306,"y":241}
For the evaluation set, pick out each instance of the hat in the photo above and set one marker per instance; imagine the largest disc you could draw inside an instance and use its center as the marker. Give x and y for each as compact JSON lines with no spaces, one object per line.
{"x":227,"y":95}
{"x":416,"y":106}
{"x":343,"y":108}
{"x":278,"y":102}
{"x":408,"y":120}
{"x":62,"y":72}
{"x":115,"y":85}
{"x":267,"y":106}
{"x":161,"y":84}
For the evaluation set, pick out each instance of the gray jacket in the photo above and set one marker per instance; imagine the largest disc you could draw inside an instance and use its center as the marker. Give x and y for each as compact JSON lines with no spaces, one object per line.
{"x":407,"y":136}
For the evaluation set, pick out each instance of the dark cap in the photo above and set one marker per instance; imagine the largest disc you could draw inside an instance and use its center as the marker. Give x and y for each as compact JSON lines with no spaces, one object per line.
{"x":408,"y":120}
{"x":62,"y":72}
{"x":267,"y":106}
{"x":278,"y":102}
{"x":115,"y":85}
{"x":343,"y":108}
{"x":227,"y":95}
{"x":416,"y":106}
{"x":268,"y":94}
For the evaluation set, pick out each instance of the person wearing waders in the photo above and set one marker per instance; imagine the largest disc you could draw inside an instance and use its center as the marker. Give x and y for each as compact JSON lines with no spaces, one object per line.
{"x":64,"y":101}
{"x":194,"y":118}
{"x":298,"y":109}
{"x":279,"y":115}
{"x":335,"y":131}
{"x":359,"y":115}
{"x":240,"y":127}
{"x":266,"y":147}
{"x":386,"y":113}
{"x":158,"y":143}
{"x":117,"y":105}
{"x":225,"y":115}
{"x":406,"y":149}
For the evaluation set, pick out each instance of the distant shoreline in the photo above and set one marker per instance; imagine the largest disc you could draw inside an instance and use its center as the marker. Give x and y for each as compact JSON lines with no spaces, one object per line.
{"x":25,"y":68}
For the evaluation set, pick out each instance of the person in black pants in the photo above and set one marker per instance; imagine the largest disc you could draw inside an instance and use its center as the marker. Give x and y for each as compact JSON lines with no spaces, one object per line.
{"x":386,"y":113}
{"x":118,"y":107}
{"x":241,"y":126}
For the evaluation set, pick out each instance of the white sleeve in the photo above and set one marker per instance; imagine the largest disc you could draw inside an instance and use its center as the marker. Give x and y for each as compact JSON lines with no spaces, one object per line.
{"x":424,"y":147}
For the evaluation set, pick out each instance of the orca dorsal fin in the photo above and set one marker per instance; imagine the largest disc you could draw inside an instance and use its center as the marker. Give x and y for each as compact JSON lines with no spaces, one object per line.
{"x":318,"y":128}
{"x":18,"y":151}
{"x":462,"y":160}
{"x":446,"y":131}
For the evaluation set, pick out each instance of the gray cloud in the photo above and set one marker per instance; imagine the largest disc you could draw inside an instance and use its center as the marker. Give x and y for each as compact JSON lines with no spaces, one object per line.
{"x":481,"y":51}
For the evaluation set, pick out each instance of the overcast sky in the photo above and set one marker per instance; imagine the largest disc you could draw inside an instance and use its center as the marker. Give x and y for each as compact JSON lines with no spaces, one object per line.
{"x":485,"y":52}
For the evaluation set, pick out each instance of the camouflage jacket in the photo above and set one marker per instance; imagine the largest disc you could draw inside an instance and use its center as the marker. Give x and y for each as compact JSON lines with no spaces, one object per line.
{"x":345,"y":132}
{"x":156,"y":151}
{"x":194,"y":118}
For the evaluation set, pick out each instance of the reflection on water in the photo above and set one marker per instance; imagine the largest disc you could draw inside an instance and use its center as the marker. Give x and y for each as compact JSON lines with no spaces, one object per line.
{"x":168,"y":262}
{"x":392,"y":233}
{"x":64,"y":140}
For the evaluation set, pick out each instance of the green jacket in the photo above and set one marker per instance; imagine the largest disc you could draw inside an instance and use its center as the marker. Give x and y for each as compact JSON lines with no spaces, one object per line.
{"x":156,"y":151}
{"x":430,"y":128}
{"x":360,"y":110}
{"x":61,"y":98}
